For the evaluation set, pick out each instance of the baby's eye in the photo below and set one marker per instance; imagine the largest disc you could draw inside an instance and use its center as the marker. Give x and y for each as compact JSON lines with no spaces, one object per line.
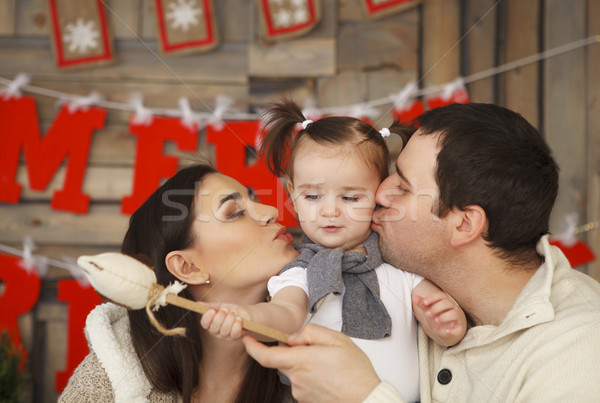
{"x":312,"y":197}
{"x":350,"y":198}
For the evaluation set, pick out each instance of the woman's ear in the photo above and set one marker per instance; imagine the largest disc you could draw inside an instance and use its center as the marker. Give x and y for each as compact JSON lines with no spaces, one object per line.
{"x":181,"y":266}
{"x":468,"y":224}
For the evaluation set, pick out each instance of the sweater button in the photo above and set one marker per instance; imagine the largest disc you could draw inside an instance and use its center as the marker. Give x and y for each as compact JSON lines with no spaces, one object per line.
{"x":444,"y":376}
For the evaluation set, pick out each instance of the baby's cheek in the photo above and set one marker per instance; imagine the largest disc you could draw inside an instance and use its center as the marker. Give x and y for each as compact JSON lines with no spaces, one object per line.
{"x":359,"y":212}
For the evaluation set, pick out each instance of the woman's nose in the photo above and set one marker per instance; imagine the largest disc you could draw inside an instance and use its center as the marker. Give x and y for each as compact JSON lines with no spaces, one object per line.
{"x":265,"y":214}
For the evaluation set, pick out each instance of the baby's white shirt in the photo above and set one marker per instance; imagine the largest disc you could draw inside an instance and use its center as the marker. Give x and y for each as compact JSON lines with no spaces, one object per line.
{"x":394,"y":358}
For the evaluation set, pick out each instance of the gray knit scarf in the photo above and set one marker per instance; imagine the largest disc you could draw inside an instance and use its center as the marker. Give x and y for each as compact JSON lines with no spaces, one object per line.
{"x":328,"y":270}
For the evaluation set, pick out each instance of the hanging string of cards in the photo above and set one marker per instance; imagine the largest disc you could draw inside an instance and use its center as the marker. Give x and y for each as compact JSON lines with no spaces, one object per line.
{"x":81,"y":35}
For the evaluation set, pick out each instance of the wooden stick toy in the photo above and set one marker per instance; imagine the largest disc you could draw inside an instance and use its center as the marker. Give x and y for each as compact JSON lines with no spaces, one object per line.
{"x":127,"y":281}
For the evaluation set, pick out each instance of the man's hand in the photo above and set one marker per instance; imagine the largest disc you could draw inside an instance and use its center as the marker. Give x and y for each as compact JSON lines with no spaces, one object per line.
{"x":323,"y":365}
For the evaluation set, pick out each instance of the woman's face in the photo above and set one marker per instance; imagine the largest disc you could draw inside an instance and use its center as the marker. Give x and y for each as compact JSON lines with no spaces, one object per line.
{"x":237,"y":240}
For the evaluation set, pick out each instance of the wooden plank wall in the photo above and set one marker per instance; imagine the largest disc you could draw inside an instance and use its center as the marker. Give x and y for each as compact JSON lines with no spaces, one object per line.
{"x":346,"y":59}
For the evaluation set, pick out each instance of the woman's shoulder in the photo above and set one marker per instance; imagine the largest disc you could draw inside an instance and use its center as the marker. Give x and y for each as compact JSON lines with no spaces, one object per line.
{"x":89,"y":383}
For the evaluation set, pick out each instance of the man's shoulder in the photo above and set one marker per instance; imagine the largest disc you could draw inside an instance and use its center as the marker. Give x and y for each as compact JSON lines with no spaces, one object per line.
{"x":574,"y":292}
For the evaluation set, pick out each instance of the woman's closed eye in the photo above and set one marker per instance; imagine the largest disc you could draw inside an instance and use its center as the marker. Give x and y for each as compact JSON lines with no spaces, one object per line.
{"x":236,"y":214}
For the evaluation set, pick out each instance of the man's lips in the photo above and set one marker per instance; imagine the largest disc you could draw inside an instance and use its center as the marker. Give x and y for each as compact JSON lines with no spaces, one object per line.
{"x":284,"y":235}
{"x":375,"y":222}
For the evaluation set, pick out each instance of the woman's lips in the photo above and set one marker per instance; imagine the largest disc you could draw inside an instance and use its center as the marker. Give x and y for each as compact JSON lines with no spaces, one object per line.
{"x":284,"y":235}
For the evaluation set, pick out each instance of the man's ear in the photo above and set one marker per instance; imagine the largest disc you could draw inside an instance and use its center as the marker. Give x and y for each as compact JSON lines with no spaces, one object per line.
{"x":468,"y":224}
{"x":181,"y":266}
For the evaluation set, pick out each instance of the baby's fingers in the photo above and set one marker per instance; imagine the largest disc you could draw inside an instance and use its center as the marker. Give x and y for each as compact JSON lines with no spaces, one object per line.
{"x":207,"y":318}
{"x":440,"y":307}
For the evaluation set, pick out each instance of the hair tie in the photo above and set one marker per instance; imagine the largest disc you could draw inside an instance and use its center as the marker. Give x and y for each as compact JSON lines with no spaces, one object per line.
{"x":306,"y":123}
{"x":385,"y":132}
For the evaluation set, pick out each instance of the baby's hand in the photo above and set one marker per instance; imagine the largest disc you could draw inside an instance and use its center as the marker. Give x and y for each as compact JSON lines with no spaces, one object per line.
{"x":224,"y":321}
{"x":443,"y":320}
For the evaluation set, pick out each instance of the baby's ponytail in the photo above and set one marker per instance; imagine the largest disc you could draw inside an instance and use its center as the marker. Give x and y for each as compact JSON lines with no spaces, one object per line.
{"x":404,"y":131}
{"x":280,"y":126}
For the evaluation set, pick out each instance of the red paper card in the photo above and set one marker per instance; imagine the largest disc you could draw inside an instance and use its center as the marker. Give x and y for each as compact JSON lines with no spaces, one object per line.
{"x":284,"y":19}
{"x":186,"y":26}
{"x":380,"y":8}
{"x":80,"y":34}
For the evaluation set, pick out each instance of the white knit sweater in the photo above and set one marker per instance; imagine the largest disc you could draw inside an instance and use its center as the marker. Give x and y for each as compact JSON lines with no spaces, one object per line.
{"x":547,"y":349}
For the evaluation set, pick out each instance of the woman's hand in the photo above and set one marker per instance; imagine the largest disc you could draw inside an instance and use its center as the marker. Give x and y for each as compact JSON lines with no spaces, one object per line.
{"x":224,"y":321}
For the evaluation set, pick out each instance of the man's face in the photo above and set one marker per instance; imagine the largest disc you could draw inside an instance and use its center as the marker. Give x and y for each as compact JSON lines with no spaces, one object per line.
{"x":412,"y":236}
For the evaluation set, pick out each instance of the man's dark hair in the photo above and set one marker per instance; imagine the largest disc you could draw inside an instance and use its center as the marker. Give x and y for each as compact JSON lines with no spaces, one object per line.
{"x":492,"y":157}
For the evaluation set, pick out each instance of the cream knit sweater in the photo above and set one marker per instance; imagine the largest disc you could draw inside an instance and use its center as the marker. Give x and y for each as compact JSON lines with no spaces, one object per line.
{"x":112,"y":371}
{"x":547,"y":349}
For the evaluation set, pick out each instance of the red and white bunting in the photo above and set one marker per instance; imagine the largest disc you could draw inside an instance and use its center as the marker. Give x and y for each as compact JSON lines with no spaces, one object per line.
{"x":80,"y":34}
{"x":186,"y":26}
{"x":381,"y":8}
{"x":285,"y":19}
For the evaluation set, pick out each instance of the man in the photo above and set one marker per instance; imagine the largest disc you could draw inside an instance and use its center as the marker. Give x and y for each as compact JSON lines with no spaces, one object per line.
{"x":468,"y":208}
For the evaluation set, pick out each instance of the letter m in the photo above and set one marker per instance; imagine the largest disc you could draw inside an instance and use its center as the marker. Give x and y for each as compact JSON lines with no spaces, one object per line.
{"x":67,"y":139}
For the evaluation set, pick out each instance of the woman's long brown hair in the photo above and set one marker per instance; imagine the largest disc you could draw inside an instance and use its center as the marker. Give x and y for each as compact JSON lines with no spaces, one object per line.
{"x":172,"y":364}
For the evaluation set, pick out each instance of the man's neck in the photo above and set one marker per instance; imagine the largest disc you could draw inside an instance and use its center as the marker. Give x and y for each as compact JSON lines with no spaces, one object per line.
{"x":489,"y":287}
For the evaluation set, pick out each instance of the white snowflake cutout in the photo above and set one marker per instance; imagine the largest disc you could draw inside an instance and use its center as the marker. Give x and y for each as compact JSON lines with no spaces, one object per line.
{"x":81,"y":36}
{"x":184,"y":14}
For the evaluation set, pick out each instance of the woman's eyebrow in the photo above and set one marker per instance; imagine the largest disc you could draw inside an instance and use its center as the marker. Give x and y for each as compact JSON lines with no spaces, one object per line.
{"x":231,"y":196}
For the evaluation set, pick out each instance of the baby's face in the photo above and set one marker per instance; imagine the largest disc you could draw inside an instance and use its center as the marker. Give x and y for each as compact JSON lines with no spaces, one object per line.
{"x":333,"y":194}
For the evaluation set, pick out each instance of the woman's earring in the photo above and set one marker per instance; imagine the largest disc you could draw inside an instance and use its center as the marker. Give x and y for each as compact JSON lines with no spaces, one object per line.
{"x":207,"y":281}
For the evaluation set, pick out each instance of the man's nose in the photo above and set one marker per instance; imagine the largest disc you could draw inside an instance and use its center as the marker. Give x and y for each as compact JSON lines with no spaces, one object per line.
{"x":383,"y":194}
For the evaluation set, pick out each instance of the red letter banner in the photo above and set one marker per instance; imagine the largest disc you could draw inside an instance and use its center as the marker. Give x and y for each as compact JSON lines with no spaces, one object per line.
{"x":69,"y":136}
{"x":151,"y":165}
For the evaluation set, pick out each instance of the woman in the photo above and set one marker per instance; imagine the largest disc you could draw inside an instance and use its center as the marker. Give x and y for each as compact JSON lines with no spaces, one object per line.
{"x":206,"y":230}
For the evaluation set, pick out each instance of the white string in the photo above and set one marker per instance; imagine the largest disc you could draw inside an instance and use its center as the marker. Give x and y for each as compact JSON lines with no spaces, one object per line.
{"x":13,"y":89}
{"x":188,"y":118}
{"x":452,"y":87}
{"x":402,"y":99}
{"x":78,"y":103}
{"x":436,"y":89}
{"x":143,"y":115}
{"x":36,"y":259}
{"x":222,"y":105}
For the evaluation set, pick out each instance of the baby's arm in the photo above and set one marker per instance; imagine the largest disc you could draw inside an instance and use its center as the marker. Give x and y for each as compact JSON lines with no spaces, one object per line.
{"x":441,"y":318}
{"x":285,"y":312}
